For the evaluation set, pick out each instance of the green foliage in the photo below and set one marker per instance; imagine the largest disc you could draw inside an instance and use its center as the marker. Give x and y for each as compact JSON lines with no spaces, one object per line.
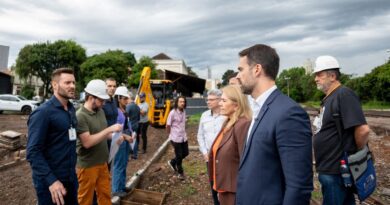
{"x":114,"y":64}
{"x":313,"y":104}
{"x":191,"y":72}
{"x":40,"y":59}
{"x":27,"y":91}
{"x":374,"y":86}
{"x":136,"y":71}
{"x":194,"y":119}
{"x":298,"y":85}
{"x":226,"y":76}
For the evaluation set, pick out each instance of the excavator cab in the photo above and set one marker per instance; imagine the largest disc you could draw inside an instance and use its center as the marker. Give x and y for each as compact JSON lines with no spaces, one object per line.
{"x":159,"y":96}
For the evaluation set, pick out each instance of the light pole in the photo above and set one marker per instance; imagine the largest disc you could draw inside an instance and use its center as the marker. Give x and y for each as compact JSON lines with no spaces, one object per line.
{"x":288,"y":86}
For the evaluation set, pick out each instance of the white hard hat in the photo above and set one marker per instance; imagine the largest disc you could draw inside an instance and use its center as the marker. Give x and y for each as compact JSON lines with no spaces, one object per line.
{"x":97,"y":88}
{"x":326,"y":63}
{"x":122,"y":90}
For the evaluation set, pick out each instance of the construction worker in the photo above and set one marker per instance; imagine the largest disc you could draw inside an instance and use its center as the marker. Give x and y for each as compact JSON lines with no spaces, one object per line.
{"x":92,"y":150}
{"x":329,"y":146}
{"x":121,"y":158}
{"x":51,"y":145}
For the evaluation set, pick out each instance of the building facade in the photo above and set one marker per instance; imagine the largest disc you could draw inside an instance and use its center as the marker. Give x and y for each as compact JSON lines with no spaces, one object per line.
{"x":164,"y":62}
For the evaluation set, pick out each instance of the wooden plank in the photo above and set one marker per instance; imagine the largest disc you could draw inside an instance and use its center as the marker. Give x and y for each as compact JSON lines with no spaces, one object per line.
{"x":139,"y":196}
{"x":11,"y":134}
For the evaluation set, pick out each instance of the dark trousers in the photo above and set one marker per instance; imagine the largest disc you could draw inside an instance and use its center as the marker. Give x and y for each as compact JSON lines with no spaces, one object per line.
{"x":213,"y":192}
{"x":181,"y":151}
{"x":44,"y":196}
{"x":143,"y":128}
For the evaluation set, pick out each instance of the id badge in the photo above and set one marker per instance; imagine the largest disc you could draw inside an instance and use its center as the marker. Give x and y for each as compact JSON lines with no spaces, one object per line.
{"x":72,"y":134}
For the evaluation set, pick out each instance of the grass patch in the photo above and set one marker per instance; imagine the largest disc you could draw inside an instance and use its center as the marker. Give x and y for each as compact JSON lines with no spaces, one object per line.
{"x":194,"y":119}
{"x":188,"y":190}
{"x":370,"y":105}
{"x":376,"y":105}
{"x":316,"y":194}
{"x":315,"y":104}
{"x":194,"y":169}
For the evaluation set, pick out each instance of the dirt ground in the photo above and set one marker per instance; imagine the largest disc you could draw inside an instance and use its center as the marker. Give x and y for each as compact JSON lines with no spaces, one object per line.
{"x":16,"y":184}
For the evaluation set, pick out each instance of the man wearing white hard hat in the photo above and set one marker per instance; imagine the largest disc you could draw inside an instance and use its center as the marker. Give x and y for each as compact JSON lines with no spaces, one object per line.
{"x":120,"y":160}
{"x":340,"y":104}
{"x":92,"y":151}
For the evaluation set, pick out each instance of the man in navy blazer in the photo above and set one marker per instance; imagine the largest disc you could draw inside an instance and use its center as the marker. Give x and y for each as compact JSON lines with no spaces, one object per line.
{"x":276,"y":166}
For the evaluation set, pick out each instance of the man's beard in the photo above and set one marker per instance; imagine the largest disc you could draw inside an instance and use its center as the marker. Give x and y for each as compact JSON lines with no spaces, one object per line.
{"x":95,"y":108}
{"x":323,"y":87}
{"x":247,"y":90}
{"x":64,"y":94}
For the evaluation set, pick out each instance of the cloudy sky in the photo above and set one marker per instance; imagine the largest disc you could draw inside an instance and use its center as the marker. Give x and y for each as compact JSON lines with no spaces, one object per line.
{"x":208,"y":33}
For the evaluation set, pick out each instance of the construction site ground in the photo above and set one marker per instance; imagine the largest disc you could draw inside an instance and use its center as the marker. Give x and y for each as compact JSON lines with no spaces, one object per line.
{"x":16,"y":183}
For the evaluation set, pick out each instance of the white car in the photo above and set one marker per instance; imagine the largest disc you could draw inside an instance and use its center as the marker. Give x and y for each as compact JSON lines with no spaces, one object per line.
{"x":17,"y":103}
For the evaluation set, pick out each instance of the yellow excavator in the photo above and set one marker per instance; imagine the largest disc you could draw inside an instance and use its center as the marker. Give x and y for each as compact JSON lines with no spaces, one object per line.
{"x":158,"y":95}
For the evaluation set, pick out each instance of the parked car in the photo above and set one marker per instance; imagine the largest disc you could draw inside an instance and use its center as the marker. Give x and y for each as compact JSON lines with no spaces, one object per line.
{"x":17,"y":103}
{"x":76,"y":103}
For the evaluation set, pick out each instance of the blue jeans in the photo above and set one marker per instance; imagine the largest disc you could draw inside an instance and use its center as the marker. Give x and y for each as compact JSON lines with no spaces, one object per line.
{"x":135,"y":150}
{"x":119,"y":168}
{"x":333,"y":190}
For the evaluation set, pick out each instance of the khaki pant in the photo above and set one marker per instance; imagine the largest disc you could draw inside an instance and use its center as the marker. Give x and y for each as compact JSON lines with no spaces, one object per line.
{"x":94,"y":178}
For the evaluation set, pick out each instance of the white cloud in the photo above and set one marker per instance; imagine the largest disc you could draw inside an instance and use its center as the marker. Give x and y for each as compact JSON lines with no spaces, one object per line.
{"x":207,"y":33}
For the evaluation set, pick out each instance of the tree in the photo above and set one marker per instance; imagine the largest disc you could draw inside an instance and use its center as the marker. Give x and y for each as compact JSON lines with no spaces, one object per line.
{"x":191,"y":72}
{"x":300,"y":86}
{"x":136,"y":71}
{"x":374,"y":85}
{"x":226,"y":76}
{"x":40,"y":59}
{"x":110,"y":64}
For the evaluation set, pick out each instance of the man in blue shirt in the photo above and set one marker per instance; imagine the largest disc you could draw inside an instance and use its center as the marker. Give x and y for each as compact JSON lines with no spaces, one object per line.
{"x":51,"y":145}
{"x":110,"y":108}
{"x":133,"y":112}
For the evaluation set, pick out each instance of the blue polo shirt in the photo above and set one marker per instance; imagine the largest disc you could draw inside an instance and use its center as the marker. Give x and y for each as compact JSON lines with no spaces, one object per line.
{"x":50,"y":152}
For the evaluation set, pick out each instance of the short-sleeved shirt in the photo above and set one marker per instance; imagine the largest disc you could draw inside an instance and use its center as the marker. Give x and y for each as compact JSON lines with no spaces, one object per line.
{"x":144,"y":107}
{"x":177,"y":121}
{"x":133,"y":112}
{"x":327,"y":145}
{"x":92,"y":122}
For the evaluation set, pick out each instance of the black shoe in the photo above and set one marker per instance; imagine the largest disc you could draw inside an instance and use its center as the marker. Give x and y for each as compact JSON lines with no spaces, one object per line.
{"x":170,"y":165}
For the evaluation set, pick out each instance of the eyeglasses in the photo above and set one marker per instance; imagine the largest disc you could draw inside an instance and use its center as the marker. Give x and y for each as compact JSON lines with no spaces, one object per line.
{"x":100,"y":100}
{"x":212,"y":99}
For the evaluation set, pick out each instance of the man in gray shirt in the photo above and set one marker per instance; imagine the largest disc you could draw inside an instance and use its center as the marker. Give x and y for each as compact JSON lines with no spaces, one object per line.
{"x":143,"y":122}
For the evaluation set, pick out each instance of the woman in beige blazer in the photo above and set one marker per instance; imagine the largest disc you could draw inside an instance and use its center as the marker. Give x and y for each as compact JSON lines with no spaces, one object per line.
{"x":227,"y":148}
